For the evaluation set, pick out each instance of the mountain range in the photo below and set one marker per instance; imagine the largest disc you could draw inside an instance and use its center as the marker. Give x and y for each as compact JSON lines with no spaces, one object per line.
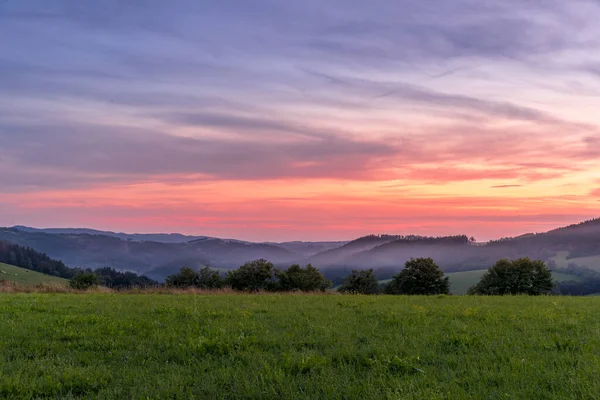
{"x":159,"y":255}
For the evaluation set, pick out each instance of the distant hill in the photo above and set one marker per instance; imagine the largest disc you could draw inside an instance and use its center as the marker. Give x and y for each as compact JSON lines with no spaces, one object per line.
{"x":576,"y":244}
{"x":573,"y":245}
{"x":155,"y":259}
{"x":139,"y":237}
{"x":28,"y":277}
{"x":346,"y":252}
{"x":308,"y":248}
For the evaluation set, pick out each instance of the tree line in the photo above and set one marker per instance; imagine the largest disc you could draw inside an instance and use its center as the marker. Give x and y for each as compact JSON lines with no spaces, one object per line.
{"x":420,"y":276}
{"x":253,"y":276}
{"x":28,"y":258}
{"x":587,"y":281}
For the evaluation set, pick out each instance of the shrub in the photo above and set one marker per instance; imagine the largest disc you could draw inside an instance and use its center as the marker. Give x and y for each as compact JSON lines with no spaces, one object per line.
{"x":203,"y":279}
{"x":360,"y":281}
{"x":84,"y":280}
{"x":209,"y":279}
{"x":186,"y":277}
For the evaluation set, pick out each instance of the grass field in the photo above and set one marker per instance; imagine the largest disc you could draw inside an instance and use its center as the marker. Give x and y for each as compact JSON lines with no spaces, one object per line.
{"x":115,"y":346}
{"x":27,"y":277}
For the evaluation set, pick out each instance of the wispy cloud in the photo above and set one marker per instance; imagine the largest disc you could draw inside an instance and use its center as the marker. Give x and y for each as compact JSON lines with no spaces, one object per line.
{"x":439,"y":96}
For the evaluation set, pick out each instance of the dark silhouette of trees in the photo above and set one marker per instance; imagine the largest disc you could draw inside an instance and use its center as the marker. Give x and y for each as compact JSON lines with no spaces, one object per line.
{"x":360,"y":281}
{"x":521,"y":276}
{"x":114,"y":279}
{"x":589,"y":282}
{"x":419,"y":276}
{"x":206,"y":278}
{"x":253,"y":276}
{"x":186,"y":277}
{"x":33,"y":260}
{"x":28,"y":258}
{"x":306,"y":279}
{"x":209,"y":279}
{"x":84,"y":281}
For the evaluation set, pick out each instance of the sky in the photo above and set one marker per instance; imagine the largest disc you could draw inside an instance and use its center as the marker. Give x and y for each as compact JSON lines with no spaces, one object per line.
{"x":313,"y":120}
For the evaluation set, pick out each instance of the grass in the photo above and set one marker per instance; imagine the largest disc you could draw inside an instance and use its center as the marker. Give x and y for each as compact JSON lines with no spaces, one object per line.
{"x":26,"y":277}
{"x":139,"y":346}
{"x":460,"y":282}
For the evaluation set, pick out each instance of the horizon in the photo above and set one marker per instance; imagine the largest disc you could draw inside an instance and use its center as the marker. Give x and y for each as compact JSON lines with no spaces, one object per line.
{"x":280,"y":121}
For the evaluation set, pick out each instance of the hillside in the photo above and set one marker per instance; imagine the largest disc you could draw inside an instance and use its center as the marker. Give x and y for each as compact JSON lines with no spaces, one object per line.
{"x":576,"y":244}
{"x":341,"y":254}
{"x":25,"y":276}
{"x":98,"y":251}
{"x":139,"y":237}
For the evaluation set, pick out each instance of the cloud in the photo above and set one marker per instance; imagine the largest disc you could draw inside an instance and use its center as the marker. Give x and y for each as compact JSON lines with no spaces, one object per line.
{"x":447,"y":95}
{"x":120,"y":153}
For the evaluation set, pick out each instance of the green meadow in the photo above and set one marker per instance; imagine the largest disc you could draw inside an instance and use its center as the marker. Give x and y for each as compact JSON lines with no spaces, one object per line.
{"x":26,"y":277}
{"x":277,"y":346}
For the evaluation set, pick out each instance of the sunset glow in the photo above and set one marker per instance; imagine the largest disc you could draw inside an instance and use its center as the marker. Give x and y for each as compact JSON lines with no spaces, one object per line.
{"x":300,"y":120}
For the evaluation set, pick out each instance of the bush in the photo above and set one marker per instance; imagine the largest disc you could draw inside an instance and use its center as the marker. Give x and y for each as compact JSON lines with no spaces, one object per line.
{"x":360,"y":281}
{"x":306,"y":279}
{"x":521,"y":276}
{"x":114,"y":279}
{"x":203,"y":279}
{"x":253,"y":276}
{"x":84,"y":281}
{"x":186,"y":277}
{"x":419,"y":276}
{"x":209,"y":279}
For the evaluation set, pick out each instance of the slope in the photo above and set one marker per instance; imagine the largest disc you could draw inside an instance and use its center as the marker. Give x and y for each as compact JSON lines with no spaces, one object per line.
{"x":25,"y":276}
{"x":98,"y":251}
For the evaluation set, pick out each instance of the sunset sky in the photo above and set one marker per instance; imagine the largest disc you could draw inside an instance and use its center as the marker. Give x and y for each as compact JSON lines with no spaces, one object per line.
{"x":309,"y":120}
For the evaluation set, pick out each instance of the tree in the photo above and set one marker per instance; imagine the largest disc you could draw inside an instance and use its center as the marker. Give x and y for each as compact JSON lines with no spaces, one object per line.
{"x":203,"y":279}
{"x":419,"y":276}
{"x":84,"y":281}
{"x":305,"y":279}
{"x":253,"y":276}
{"x":209,"y":279}
{"x":360,"y":281}
{"x":585,"y":281}
{"x":114,"y":279}
{"x":186,"y":277}
{"x":521,"y":276}
{"x":28,"y":258}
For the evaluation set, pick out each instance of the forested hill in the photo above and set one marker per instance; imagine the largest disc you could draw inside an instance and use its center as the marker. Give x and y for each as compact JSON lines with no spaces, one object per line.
{"x":28,"y":258}
{"x":575,"y":244}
